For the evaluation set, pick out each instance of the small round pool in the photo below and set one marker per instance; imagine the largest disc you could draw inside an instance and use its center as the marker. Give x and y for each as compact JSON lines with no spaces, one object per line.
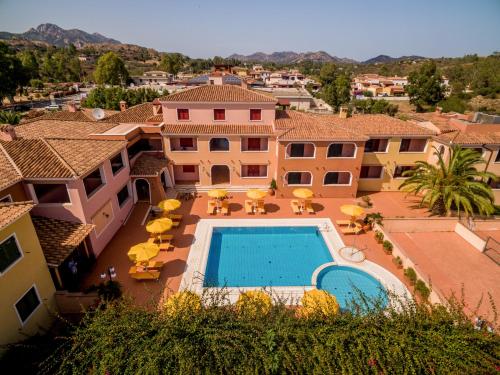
{"x":346,"y":283}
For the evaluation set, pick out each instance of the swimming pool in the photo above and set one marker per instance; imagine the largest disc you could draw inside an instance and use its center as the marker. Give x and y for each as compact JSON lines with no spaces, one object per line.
{"x":264,"y":256}
{"x":345,"y":283}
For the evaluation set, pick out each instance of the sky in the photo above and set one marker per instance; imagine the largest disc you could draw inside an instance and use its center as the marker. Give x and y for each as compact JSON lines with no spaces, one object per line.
{"x":356,"y":29}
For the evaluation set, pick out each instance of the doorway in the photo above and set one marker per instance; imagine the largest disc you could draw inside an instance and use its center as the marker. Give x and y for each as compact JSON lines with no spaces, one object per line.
{"x":220,"y":175}
{"x":142,"y":190}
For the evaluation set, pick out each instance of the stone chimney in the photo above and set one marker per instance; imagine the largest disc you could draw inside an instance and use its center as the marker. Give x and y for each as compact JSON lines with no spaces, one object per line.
{"x":72,"y":106}
{"x":343,"y":112}
{"x":7,"y":132}
{"x":123,"y":105}
{"x":156,"y":107}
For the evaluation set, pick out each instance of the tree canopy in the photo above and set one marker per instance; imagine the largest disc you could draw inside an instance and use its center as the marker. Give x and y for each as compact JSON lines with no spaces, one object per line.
{"x":172,"y":63}
{"x":425,"y":86}
{"x":111,"y":70}
{"x":12,"y":73}
{"x":110,"y":97}
{"x":336,"y":89}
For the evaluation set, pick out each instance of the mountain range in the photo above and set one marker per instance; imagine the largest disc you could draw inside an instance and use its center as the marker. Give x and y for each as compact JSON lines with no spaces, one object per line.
{"x":52,"y":34}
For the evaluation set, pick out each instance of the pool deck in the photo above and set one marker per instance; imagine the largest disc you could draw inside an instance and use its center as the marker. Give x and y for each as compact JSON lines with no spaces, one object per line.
{"x":390,"y":204}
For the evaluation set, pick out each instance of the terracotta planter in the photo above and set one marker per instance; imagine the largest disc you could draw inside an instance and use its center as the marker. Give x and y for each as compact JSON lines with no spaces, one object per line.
{"x":388,"y":252}
{"x":271,"y":192}
{"x":367,"y":228}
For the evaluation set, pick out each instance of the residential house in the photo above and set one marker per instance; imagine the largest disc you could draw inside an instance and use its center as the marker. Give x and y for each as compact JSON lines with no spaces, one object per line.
{"x":153,"y":78}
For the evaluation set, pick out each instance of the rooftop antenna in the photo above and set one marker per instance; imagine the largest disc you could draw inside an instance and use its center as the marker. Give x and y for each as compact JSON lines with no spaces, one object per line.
{"x":98,"y":113}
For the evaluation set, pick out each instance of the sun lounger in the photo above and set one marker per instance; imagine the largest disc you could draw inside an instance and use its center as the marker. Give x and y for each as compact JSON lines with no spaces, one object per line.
{"x":137,"y":274}
{"x":248,"y":207}
{"x":166,"y":237}
{"x":352,"y":230}
{"x":175,"y":217}
{"x":309,"y":207}
{"x":211,"y":208}
{"x":260,"y":207}
{"x":295,"y":207}
{"x":343,"y":222}
{"x":176,"y":224}
{"x":165,"y":246}
{"x":225,"y":208}
{"x":155,"y":264}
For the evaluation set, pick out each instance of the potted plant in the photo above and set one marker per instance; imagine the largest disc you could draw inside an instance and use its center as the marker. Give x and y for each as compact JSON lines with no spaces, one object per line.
{"x":366,"y":201}
{"x":371,"y":219}
{"x":379,"y":236}
{"x":273,"y":186}
{"x":411,"y":275}
{"x":398,"y":262}
{"x":422,"y":290}
{"x":387,"y":245}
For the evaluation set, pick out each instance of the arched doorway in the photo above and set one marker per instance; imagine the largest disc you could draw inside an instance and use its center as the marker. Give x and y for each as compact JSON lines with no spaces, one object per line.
{"x":165,"y":179}
{"x":220,"y":175}
{"x":142,"y":190}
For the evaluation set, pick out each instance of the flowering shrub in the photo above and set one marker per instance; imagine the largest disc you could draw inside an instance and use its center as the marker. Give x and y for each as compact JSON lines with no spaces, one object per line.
{"x":182,"y":303}
{"x":318,"y":304}
{"x":254,"y":303}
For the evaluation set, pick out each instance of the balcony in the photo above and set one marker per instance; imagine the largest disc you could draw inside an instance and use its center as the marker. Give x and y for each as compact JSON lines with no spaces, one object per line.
{"x":298,"y":178}
{"x":341,"y":150}
{"x":413,"y":145}
{"x":183,"y":144}
{"x":186,"y":174}
{"x":254,"y":171}
{"x":219,"y":145}
{"x":254,"y":144}
{"x":300,"y":150}
{"x":337,"y":178}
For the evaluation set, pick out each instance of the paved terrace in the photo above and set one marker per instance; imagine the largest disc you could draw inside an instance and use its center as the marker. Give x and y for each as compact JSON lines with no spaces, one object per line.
{"x":390,"y":204}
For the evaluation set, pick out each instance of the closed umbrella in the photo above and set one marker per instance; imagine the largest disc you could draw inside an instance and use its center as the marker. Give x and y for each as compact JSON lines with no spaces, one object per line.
{"x":143,"y":252}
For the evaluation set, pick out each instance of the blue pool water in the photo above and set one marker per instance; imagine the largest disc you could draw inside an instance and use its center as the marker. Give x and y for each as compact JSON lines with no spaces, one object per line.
{"x":342,"y":282}
{"x":264,"y":256}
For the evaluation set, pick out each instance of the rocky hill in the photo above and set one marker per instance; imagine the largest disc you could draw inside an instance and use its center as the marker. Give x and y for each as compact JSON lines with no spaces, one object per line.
{"x":383,"y":59}
{"x":290,"y":57}
{"x":53,"y":34}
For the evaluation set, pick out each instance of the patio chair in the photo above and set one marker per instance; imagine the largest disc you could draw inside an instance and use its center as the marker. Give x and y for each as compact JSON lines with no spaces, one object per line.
{"x":225,"y":208}
{"x":249,"y":207}
{"x":295,"y":206}
{"x":166,"y":246}
{"x":155,"y":264}
{"x":260,"y":206}
{"x":174,"y":217}
{"x":211,"y":208}
{"x":309,"y":207}
{"x":343,"y":222}
{"x":141,"y":274}
{"x":352,"y":230}
{"x":166,"y":237}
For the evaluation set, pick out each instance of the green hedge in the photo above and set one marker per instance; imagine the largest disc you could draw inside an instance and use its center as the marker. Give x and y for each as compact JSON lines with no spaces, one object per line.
{"x":126,"y":339}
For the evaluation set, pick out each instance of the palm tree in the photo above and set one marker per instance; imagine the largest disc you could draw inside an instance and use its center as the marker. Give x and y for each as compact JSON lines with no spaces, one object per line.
{"x":456,"y":183}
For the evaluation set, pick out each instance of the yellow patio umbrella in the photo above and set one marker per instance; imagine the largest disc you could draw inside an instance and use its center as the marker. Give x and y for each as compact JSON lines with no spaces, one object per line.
{"x":303,"y":193}
{"x":217,"y":193}
{"x":256,"y":194}
{"x":143,"y":252}
{"x":169,"y":204}
{"x":352,"y":210}
{"x":158,"y":226}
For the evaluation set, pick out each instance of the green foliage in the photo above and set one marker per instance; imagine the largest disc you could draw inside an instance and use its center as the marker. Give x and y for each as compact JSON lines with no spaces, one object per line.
{"x":379,"y":236}
{"x":422,"y":289}
{"x":485,"y":77}
{"x":375,"y":106}
{"x":12,"y":73}
{"x":373,"y":218}
{"x":336,"y":89}
{"x":425,"y":86}
{"x":411,"y":275}
{"x":455,"y":184}
{"x":111,"y":70}
{"x":273,"y":185}
{"x":36,"y":83}
{"x":368,"y":94}
{"x":108,"y":291}
{"x":110,"y":97}
{"x":127,"y":339}
{"x":453,"y":104}
{"x":397,"y":261}
{"x":388,"y":246}
{"x":11,"y":118}
{"x":172,"y":63}
{"x":56,"y":65}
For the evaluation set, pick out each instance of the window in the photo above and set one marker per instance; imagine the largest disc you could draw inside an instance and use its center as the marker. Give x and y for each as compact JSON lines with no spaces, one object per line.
{"x":6,"y":199}
{"x":412,"y":145}
{"x":253,"y":144}
{"x":219,"y":114}
{"x":182,"y":114}
{"x":27,"y":304}
{"x":219,"y":144}
{"x":300,"y":150}
{"x":497,"y":159}
{"x":255,"y":115}
{"x":400,"y":169}
{"x":337,"y":178}
{"x":117,"y":163}
{"x":341,"y":150}
{"x":186,"y":142}
{"x":9,"y":253}
{"x":376,"y":145}
{"x":123,"y":195}
{"x":298,"y":178}
{"x":371,"y":171}
{"x":254,"y":171}
{"x":93,"y":182}
{"x":188,"y":168}
{"x":51,"y":193}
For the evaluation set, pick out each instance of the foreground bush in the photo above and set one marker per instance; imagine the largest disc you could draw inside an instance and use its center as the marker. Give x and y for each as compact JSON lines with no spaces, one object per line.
{"x":127,"y":339}
{"x":318,"y":304}
{"x":254,"y":304}
{"x":182,"y":304}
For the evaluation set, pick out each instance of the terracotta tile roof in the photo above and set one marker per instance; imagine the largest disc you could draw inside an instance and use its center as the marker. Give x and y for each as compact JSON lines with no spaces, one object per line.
{"x":156,"y":119}
{"x":9,"y":174}
{"x":10,"y":212}
{"x":59,"y":238}
{"x":218,"y":94}
{"x":36,"y":159}
{"x":217,"y":129}
{"x":148,"y":165}
{"x":61,"y":129}
{"x":63,"y":116}
{"x":83,"y":155}
{"x":137,"y":114}
{"x":380,"y":125}
{"x":300,"y":126}
{"x":59,"y":158}
{"x":469,"y":138}
{"x":441,"y":123}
